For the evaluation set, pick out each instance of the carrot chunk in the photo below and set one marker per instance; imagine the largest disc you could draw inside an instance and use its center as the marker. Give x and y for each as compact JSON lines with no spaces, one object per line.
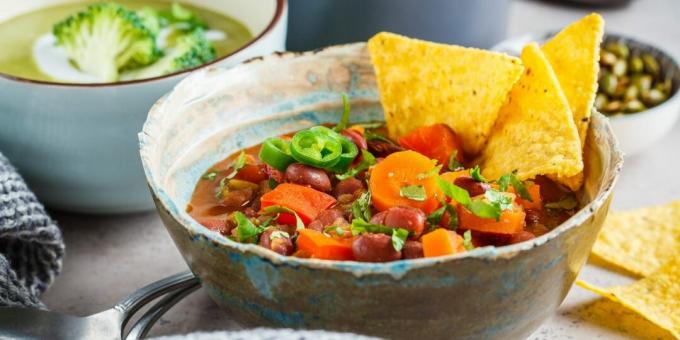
{"x":442,"y":242}
{"x":436,"y":141}
{"x":305,"y":201}
{"x":319,"y":246}
{"x":404,"y":169}
{"x":510,"y":222}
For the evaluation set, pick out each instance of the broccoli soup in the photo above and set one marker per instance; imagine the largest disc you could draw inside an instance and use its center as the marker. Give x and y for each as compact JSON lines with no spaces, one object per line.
{"x":74,"y":42}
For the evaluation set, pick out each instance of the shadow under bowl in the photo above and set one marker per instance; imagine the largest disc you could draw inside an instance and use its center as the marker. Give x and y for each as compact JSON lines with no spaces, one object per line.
{"x":489,"y":293}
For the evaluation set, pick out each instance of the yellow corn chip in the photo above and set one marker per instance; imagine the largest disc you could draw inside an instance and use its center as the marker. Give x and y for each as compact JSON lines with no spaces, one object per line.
{"x":574,"y":55}
{"x":641,"y":240}
{"x":423,"y":83}
{"x":656,"y":297}
{"x":535,"y":133}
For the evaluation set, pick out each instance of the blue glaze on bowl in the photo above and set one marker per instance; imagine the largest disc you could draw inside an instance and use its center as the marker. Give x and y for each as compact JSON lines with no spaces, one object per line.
{"x":489,"y":293}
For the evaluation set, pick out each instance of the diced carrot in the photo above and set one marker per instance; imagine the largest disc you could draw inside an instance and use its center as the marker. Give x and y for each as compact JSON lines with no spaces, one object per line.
{"x":400,"y":169}
{"x":305,"y":201}
{"x":535,"y":193}
{"x":319,"y":246}
{"x":442,"y":242}
{"x":510,"y":222}
{"x":251,"y":173}
{"x":436,"y":141}
{"x":452,"y":175}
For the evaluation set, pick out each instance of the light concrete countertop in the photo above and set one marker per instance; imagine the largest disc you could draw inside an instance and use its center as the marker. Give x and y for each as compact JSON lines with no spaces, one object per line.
{"x":110,"y":256}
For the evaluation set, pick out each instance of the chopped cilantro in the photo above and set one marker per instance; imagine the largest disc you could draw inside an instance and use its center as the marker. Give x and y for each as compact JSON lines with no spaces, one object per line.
{"x":496,"y":197}
{"x":210,"y":176}
{"x":367,"y":160}
{"x":277,"y":209}
{"x":434,"y":171}
{"x":238,"y":165}
{"x":399,"y":236}
{"x":220,"y":190}
{"x":467,"y":240}
{"x":436,"y":216}
{"x":454,"y":192}
{"x":510,"y":179}
{"x":413,"y":192}
{"x":476,"y":174}
{"x":246,"y":231}
{"x":454,"y":164}
{"x":361,"y":207}
{"x":272,"y":183}
{"x":484,"y":209}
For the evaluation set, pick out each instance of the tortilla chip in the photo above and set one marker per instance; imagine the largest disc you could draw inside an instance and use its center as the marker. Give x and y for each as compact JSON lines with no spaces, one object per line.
{"x":656,"y":297}
{"x":574,"y":54}
{"x":423,"y":83}
{"x":535,"y":133}
{"x":640,"y":240}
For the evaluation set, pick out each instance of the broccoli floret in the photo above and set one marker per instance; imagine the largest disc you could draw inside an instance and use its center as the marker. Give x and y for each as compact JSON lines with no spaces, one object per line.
{"x":151,"y":19}
{"x":189,"y":50}
{"x":106,"y":39}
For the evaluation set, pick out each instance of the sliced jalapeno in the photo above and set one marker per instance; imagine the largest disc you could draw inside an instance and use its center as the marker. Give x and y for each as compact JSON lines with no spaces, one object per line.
{"x":316,"y":148}
{"x":276,"y":153}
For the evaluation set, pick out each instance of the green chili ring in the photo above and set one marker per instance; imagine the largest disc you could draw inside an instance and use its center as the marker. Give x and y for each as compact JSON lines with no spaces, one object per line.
{"x":315,"y":148}
{"x":349,"y":153}
{"x":276,"y":153}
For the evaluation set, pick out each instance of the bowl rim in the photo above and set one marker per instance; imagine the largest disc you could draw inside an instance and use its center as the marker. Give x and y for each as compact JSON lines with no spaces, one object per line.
{"x":280,"y":9}
{"x":395,"y":268}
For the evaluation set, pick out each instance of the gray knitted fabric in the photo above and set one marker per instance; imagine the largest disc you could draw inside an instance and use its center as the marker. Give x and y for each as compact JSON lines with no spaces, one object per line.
{"x":268,"y":334}
{"x":31,"y":246}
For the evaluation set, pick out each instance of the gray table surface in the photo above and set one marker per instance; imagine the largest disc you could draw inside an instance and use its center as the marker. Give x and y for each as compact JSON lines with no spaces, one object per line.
{"x":111,"y":256}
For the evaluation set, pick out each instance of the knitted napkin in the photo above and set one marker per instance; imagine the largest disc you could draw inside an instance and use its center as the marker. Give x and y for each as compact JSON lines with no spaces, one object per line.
{"x":31,"y":246}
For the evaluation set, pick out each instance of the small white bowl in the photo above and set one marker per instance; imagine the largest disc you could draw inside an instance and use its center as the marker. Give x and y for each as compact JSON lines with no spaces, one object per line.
{"x":636,"y":132}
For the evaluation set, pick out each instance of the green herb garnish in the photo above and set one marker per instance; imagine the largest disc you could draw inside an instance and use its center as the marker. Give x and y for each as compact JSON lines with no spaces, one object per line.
{"x":277,"y":209}
{"x":467,"y":240}
{"x":436,"y":216}
{"x":399,"y":235}
{"x":272,"y":183}
{"x":476,"y":174}
{"x":454,"y":192}
{"x":413,"y":192}
{"x":454,"y":164}
{"x":496,"y":197}
{"x":220,"y":189}
{"x":367,"y":160}
{"x":246,"y":230}
{"x":434,"y":171}
{"x":210,"y":176}
{"x":510,"y":179}
{"x":361,"y":207}
{"x":478,"y":207}
{"x":344,"y":119}
{"x":238,"y":165}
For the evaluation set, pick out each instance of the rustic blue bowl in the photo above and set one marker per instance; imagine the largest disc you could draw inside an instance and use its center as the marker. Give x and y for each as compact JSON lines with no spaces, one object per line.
{"x":488,"y":293}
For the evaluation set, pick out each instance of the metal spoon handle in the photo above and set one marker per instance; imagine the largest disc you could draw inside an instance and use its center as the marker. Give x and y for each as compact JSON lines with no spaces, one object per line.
{"x":140,"y":329}
{"x":131,"y":304}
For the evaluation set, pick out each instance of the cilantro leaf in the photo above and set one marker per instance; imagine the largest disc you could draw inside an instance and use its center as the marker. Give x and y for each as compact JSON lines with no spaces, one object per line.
{"x":367,"y":160}
{"x":246,"y":231}
{"x":413,"y":192}
{"x":436,"y":216}
{"x":361,"y":207}
{"x":277,"y":209}
{"x":344,"y":119}
{"x":454,"y":192}
{"x":467,"y":240}
{"x":510,"y":179}
{"x":434,"y":171}
{"x":238,"y":165}
{"x":476,"y":174}
{"x":454,"y":164}
{"x":566,"y":203}
{"x":338,"y":231}
{"x":485,"y":210}
{"x":220,"y":190}
{"x":496,"y":197}
{"x":210,"y":176}
{"x":399,"y":236}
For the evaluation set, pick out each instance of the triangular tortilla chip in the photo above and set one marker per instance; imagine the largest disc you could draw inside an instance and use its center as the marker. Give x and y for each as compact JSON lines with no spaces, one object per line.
{"x":640,"y":240}
{"x":656,"y":297}
{"x":535,"y":133}
{"x":423,"y":83}
{"x":574,"y":54}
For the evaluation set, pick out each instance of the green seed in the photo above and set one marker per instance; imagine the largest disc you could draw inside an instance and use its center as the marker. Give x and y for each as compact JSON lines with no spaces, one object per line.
{"x":653,"y":97}
{"x":620,"y":67}
{"x":619,"y":49}
{"x":633,"y":106}
{"x":635,"y":64}
{"x":651,"y":65}
{"x":608,"y":83}
{"x":607,"y":58}
{"x":632,"y":92}
{"x":613,"y":107}
{"x":643,"y":82}
{"x":600,"y":101}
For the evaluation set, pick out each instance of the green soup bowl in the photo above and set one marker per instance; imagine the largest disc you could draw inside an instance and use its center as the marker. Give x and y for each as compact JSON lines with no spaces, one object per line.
{"x":487,"y":293}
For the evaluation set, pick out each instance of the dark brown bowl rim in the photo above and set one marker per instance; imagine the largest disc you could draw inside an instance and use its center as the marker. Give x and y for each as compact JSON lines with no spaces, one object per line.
{"x":280,"y":6}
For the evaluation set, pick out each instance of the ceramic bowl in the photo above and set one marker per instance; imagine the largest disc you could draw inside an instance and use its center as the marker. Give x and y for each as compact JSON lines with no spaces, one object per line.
{"x":487,"y":293}
{"x":76,"y":144}
{"x":636,"y":132}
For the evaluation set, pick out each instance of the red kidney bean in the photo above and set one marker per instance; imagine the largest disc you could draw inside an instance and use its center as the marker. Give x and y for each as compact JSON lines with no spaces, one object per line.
{"x":272,"y":173}
{"x":473,"y":187}
{"x":550,"y":191}
{"x":347,"y":186}
{"x":412,"y":250}
{"x":379,"y":218}
{"x":521,"y":237}
{"x":326,"y":218}
{"x":532,"y":217}
{"x":374,"y":248}
{"x":281,"y":245}
{"x":306,"y":175}
{"x":355,"y":137}
{"x":408,"y":218}
{"x":382,"y":149}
